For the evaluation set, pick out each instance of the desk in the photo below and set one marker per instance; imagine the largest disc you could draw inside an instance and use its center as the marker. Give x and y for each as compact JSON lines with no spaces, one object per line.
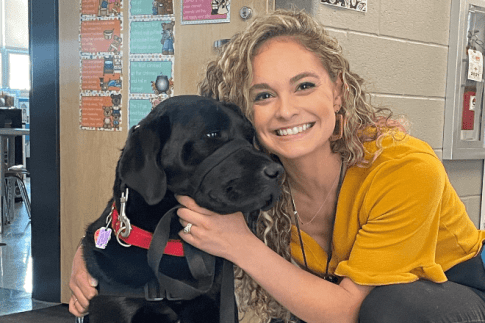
{"x":6,"y":140}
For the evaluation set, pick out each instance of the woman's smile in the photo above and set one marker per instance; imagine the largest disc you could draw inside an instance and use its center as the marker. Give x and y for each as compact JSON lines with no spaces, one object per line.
{"x":294,"y":130}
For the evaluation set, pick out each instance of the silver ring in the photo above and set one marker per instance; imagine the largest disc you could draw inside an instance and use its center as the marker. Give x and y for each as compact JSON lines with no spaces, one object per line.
{"x":187,"y":228}
{"x":75,"y":300}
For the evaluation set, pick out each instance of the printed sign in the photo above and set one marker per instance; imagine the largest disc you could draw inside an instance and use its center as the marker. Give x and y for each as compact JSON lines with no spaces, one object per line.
{"x":475,"y":65}
{"x":101,"y":112}
{"x":357,"y":5}
{"x":139,"y":110}
{"x":205,"y":11}
{"x":101,"y":36}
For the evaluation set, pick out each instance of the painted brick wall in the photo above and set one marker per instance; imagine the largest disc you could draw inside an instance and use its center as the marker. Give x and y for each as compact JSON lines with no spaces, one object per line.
{"x":401,"y":49}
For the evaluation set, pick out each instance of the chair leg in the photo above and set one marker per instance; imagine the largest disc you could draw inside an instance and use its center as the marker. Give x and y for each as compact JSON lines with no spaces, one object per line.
{"x":7,"y":202}
{"x":23,"y":192}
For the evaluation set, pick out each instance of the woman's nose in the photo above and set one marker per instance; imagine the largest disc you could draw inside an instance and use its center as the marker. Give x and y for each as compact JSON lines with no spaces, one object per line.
{"x":287,"y":108}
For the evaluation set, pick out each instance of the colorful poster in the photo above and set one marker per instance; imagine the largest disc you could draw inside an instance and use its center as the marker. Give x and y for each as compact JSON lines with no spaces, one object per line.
{"x":100,"y":112}
{"x":144,"y":75}
{"x":152,"y":48}
{"x":205,"y":11}
{"x":155,"y":7}
{"x":101,"y":74}
{"x":139,"y":110}
{"x":98,"y":36}
{"x":147,"y":37}
{"x":357,"y":5}
{"x":100,"y":8}
{"x":101,"y":77}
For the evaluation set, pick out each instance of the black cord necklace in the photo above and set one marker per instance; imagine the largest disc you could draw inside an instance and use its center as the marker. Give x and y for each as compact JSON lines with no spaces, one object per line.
{"x":328,"y":277}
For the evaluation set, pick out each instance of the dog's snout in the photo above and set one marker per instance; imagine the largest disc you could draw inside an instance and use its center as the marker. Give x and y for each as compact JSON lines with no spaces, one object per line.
{"x":273,"y":170}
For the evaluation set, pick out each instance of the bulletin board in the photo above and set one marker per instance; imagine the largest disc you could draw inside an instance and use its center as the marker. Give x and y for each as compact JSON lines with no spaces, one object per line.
{"x":101,"y":52}
{"x":151,"y":59}
{"x":149,"y":79}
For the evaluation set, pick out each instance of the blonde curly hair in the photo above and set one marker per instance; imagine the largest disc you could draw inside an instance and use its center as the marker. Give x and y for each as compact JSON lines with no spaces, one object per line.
{"x":228,"y":78}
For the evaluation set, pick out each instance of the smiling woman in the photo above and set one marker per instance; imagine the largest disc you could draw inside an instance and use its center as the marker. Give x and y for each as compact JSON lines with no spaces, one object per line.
{"x":362,"y":200}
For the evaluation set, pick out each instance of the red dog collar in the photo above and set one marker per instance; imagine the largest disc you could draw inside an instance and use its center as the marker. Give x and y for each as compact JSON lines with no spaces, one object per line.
{"x":142,"y":238}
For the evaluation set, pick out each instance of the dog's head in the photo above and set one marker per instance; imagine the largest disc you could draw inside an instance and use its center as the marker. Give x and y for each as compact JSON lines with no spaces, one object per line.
{"x":199,"y":147}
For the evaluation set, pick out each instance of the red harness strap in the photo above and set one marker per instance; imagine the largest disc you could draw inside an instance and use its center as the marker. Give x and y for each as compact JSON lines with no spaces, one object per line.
{"x":142,"y":238}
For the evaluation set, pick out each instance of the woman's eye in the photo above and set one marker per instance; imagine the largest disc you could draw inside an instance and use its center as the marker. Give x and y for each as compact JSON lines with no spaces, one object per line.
{"x":262,"y":96}
{"x":305,"y":86}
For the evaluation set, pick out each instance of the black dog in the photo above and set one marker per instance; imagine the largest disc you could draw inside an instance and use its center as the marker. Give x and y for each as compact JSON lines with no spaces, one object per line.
{"x":188,"y":145}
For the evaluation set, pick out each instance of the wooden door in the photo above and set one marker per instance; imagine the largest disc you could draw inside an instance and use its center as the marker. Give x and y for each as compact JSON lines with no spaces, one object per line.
{"x":88,"y":158}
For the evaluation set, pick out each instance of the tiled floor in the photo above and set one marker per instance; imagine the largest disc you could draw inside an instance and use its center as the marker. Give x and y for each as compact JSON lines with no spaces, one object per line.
{"x":16,"y":264}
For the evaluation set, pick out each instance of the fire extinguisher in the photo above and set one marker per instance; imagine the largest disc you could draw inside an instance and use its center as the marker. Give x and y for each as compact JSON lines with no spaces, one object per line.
{"x":469,"y":104}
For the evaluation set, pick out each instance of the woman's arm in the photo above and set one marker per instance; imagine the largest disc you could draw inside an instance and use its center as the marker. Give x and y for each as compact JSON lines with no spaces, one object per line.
{"x":82,"y":285}
{"x":307,"y":296}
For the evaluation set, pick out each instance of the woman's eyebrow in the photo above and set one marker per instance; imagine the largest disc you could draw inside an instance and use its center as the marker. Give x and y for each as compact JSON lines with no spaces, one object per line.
{"x":298,"y":77}
{"x":294,"y":79}
{"x":263,"y":86}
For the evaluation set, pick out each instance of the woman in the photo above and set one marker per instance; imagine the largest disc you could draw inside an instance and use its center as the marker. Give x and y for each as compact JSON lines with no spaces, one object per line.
{"x":368,"y":222}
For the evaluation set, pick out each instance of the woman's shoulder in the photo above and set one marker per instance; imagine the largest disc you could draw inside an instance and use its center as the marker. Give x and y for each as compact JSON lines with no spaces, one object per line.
{"x":394,"y":145}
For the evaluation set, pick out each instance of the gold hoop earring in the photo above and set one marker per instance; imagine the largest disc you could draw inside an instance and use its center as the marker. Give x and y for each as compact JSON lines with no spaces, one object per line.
{"x":338,"y":132}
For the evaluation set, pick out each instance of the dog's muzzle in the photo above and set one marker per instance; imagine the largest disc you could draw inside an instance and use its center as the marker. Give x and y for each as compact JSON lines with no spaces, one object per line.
{"x":215,"y":159}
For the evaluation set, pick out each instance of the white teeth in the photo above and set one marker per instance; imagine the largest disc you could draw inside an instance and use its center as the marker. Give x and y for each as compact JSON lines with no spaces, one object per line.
{"x":293,"y":131}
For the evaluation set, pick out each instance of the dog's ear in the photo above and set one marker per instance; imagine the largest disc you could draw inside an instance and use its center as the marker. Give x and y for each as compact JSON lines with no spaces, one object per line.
{"x":248,"y":127}
{"x":139,"y":165}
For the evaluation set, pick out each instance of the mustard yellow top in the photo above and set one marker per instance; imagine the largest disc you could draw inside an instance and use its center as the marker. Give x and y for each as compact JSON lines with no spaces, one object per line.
{"x":397,"y":221}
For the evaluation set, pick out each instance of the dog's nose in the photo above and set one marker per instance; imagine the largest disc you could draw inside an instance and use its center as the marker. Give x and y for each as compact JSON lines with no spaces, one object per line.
{"x":273,"y":170}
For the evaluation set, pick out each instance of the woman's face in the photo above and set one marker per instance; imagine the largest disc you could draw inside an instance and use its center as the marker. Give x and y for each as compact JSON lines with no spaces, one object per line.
{"x":294,"y":100}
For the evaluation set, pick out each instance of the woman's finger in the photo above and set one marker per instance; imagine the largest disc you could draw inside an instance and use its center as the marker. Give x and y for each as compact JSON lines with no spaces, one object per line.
{"x":187,"y":216}
{"x":76,"y":308}
{"x":189,"y":203}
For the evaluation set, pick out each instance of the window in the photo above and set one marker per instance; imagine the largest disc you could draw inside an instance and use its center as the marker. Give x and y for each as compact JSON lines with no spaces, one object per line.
{"x":14,"y":45}
{"x":19,"y":71}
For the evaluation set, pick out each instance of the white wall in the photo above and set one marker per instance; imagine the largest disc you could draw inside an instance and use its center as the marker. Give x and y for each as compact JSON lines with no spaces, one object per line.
{"x":401,"y":49}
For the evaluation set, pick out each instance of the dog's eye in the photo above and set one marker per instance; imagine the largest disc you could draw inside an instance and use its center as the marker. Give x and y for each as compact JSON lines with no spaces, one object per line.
{"x":215,"y":134}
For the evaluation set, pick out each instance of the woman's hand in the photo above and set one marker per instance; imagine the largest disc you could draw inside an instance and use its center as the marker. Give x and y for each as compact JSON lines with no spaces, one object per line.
{"x":82,"y":286}
{"x":216,"y":234}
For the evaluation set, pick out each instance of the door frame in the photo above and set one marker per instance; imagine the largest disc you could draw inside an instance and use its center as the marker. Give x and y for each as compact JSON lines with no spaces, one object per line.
{"x":44,"y":157}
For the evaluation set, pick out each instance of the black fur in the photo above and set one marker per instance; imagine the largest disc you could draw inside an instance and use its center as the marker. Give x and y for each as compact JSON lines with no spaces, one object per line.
{"x":160,"y":157}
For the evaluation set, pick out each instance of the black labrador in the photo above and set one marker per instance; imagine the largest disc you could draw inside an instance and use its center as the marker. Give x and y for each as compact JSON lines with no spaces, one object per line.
{"x":187,"y":145}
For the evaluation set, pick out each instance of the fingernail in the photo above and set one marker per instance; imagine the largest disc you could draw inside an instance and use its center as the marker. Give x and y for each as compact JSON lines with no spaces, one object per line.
{"x":93,"y":282}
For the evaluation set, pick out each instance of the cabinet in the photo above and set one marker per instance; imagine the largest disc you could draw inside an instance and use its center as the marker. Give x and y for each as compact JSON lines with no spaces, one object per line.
{"x":464,"y":118}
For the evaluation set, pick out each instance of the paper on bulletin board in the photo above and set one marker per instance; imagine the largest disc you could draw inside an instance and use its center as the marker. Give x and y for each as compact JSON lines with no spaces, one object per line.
{"x":101,"y":73}
{"x":205,"y":11}
{"x":357,"y":5}
{"x":138,"y":110}
{"x":151,"y":8}
{"x":100,"y":112}
{"x":143,"y":75}
{"x":100,"y":8}
{"x":152,"y":39}
{"x":101,"y":77}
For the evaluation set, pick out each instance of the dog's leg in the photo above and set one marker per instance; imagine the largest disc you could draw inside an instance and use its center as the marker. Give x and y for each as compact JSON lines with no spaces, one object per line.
{"x":108,"y":309}
{"x":200,"y":310}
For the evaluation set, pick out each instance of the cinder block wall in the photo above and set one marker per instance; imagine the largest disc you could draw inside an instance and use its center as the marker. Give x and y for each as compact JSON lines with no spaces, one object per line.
{"x":401,"y":49}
